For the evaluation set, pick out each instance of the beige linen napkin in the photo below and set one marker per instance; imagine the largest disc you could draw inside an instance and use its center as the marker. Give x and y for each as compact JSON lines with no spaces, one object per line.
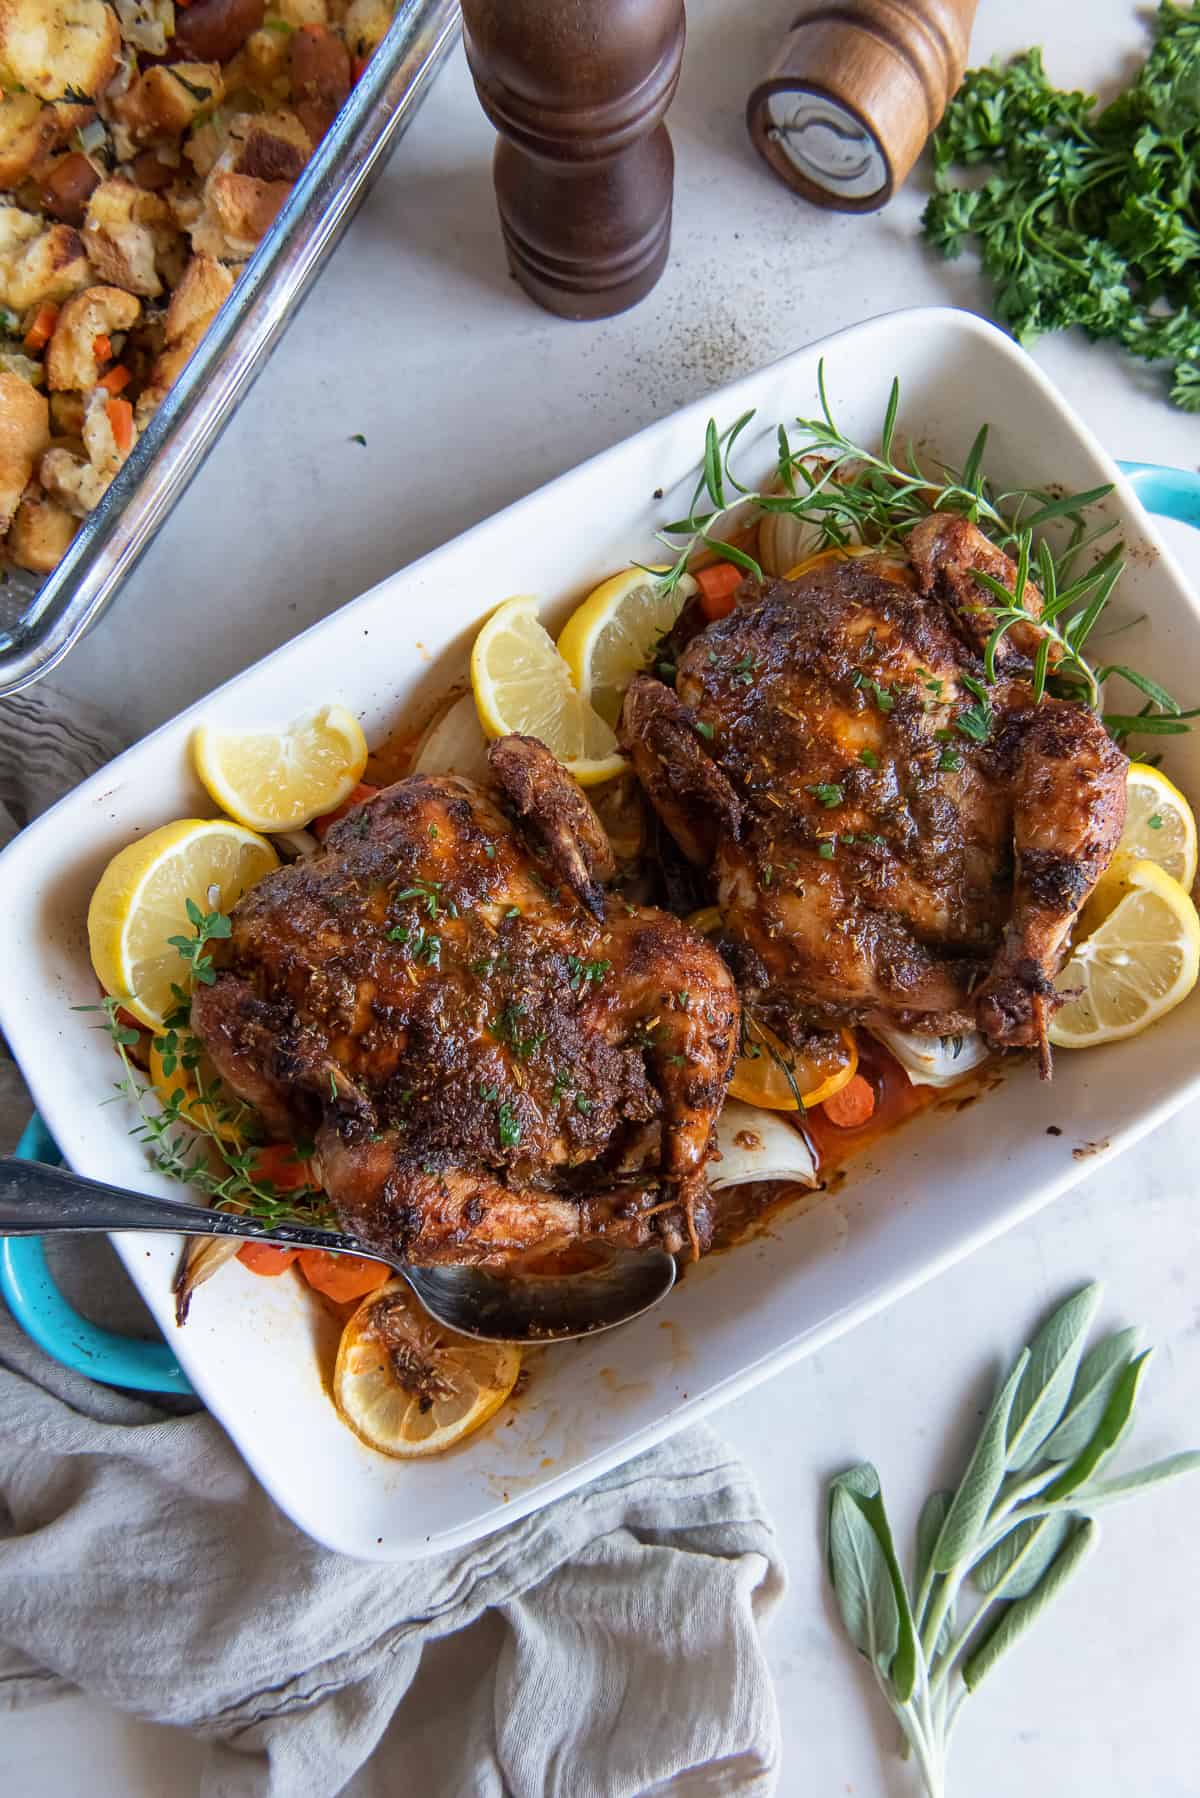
{"x":608,"y":1647}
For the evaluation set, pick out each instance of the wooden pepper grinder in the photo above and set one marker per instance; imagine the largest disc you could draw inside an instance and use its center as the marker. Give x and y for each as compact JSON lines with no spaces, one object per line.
{"x":584,"y":168}
{"x":854,"y":93}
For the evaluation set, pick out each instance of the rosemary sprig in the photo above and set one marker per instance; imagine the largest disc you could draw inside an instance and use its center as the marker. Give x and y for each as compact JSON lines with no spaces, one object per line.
{"x":1018,"y":1525}
{"x":854,"y":494}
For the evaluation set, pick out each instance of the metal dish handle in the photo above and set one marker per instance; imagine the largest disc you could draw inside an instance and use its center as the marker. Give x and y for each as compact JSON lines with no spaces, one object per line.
{"x":42,"y":1311}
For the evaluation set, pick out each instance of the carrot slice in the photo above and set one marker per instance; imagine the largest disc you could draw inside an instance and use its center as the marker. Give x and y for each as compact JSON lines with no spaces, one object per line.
{"x":280,"y":1165}
{"x":342,"y":1277}
{"x":42,"y":329}
{"x":266,"y":1258}
{"x":853,"y":1106}
{"x":117,"y":377}
{"x":718,"y":585}
{"x":364,"y":790}
{"x":102,"y":347}
{"x":120,"y":418}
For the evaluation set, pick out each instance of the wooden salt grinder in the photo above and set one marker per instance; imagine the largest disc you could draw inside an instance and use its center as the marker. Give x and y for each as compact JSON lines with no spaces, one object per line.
{"x":854,"y":93}
{"x":583,"y":170}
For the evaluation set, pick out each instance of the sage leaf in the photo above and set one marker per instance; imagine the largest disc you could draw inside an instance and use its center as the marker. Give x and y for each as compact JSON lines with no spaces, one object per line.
{"x":1016,"y":1619}
{"x":929,"y":1524}
{"x":1013,"y":1568}
{"x":1045,"y":1387}
{"x":1105,"y":1438}
{"x":1099,"y":1372}
{"x":862,"y":1582}
{"x":981,"y":1481}
{"x":862,"y":1485}
{"x":1103,"y":1492}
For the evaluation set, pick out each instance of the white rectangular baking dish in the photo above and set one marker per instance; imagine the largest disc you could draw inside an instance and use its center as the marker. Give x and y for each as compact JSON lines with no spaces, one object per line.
{"x":931,"y":1193}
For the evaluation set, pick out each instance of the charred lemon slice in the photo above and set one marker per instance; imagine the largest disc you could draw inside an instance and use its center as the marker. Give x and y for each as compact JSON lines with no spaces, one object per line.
{"x":407,"y":1385}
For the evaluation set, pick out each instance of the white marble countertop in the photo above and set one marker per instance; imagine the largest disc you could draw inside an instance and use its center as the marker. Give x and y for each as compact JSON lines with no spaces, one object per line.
{"x":469,"y":397}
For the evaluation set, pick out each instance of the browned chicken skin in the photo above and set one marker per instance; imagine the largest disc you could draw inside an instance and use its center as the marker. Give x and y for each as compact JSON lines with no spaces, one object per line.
{"x":438,"y":1005}
{"x":891,"y":841}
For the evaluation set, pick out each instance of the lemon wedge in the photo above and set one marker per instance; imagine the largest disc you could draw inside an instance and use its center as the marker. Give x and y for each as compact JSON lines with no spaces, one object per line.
{"x":521,"y":683}
{"x":1160,"y":827}
{"x":1134,"y":967}
{"x":409,"y":1386}
{"x":613,"y":634}
{"x":281,"y":779}
{"x":141,"y":900}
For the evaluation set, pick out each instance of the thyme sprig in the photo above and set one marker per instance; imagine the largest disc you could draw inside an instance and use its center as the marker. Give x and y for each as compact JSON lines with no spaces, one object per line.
{"x":1017,"y":1527}
{"x":182,"y":1133}
{"x":854,"y":494}
{"x":200,"y":1136}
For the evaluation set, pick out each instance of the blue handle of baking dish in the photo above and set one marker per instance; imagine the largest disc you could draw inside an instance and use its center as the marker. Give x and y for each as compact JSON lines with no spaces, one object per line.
{"x":25,"y":1281}
{"x":1170,"y":492}
{"x":44,"y":1314}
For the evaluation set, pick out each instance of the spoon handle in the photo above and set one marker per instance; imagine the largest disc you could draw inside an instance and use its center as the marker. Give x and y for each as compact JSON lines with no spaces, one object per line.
{"x":36,"y":1200}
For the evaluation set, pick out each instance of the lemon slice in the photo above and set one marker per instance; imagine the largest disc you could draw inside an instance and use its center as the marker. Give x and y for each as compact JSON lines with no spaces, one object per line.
{"x":521,"y":683}
{"x":1159,"y":827}
{"x":280,"y":779}
{"x":196,"y":1092}
{"x":141,"y":900}
{"x":769,"y":1073}
{"x":409,"y":1386}
{"x":613,"y":634}
{"x":1136,"y":966}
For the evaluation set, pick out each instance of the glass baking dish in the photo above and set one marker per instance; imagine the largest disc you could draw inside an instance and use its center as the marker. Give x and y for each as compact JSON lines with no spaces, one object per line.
{"x":41,"y":620}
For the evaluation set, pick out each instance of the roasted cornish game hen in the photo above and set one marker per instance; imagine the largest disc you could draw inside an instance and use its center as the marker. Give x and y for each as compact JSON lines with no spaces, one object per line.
{"x":479,"y":1042}
{"x":892,"y":840}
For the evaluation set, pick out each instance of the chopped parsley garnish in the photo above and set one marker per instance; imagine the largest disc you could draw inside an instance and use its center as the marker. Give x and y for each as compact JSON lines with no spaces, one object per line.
{"x":582,"y":1104}
{"x":704,"y":730}
{"x":509,"y":1126}
{"x":826,"y":848}
{"x":828,"y":792}
{"x":429,"y":893}
{"x":514,"y":911}
{"x":950,"y":761}
{"x":562,"y":1084}
{"x":509,"y":1028}
{"x":1155,"y":821}
{"x":433,"y":830}
{"x":743,"y":671}
{"x":581,"y":972}
{"x":489,"y":1094}
{"x":358,"y":436}
{"x":868,"y":758}
{"x":683,"y":999}
{"x":489,"y":849}
{"x":975,"y":721}
{"x":885,"y":699}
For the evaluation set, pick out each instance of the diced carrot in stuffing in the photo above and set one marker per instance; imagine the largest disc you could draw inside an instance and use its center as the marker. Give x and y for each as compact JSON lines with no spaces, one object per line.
{"x":42,"y":329}
{"x":120,"y":418}
{"x":117,"y":378}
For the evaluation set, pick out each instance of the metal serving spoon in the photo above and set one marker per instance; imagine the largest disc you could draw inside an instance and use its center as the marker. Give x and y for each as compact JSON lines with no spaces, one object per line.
{"x":603,"y":1285}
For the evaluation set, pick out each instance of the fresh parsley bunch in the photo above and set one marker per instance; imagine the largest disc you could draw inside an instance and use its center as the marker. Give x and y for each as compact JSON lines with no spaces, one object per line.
{"x":1087,"y":217}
